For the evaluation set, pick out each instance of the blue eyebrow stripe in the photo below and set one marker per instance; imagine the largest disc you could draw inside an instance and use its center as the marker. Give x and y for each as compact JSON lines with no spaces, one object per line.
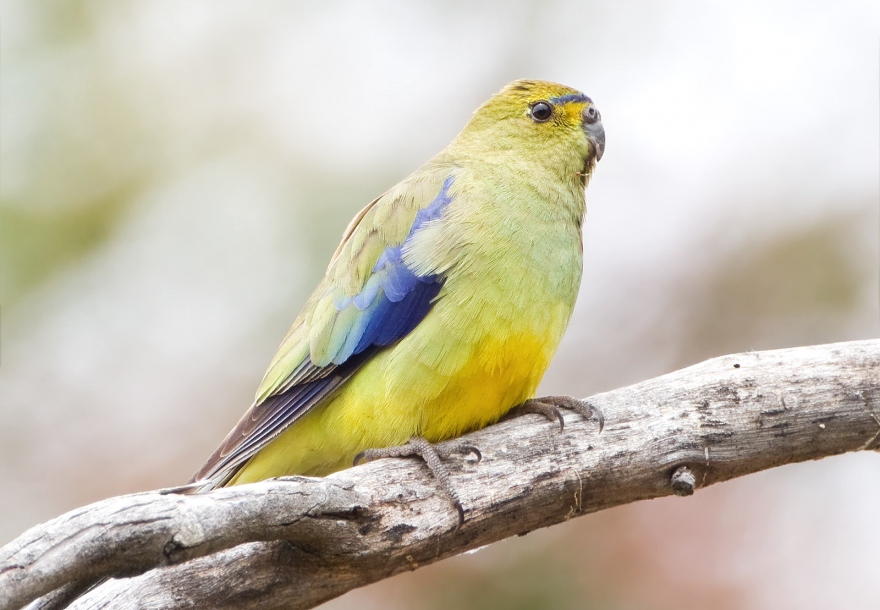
{"x":571,"y":97}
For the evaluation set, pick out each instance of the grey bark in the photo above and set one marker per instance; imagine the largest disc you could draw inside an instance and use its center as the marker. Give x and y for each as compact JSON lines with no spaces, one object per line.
{"x":294,"y":543}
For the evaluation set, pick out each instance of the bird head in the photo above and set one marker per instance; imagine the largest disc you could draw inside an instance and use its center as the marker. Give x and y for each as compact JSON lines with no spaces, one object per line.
{"x":539,"y":123}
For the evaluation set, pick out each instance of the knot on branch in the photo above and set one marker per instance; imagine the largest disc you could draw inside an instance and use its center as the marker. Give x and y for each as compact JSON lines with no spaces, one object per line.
{"x":684,"y":483}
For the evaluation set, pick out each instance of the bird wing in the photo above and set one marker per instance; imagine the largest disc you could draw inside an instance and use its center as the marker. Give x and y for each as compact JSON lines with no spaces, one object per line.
{"x":368,"y":299}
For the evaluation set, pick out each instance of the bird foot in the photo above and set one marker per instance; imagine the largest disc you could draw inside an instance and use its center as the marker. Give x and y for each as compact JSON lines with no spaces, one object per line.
{"x":549,"y":406}
{"x":433,"y":456}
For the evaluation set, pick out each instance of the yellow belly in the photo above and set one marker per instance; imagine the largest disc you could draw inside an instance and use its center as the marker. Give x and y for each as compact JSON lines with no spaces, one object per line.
{"x":398,"y":395}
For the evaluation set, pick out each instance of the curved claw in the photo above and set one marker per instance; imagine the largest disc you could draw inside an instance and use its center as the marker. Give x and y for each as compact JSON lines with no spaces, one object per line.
{"x":360,"y":456}
{"x":599,"y":416}
{"x":590,"y":410}
{"x":460,"y":511}
{"x":552,"y":412}
{"x":543,"y":407}
{"x":586,"y":409}
{"x":471,"y":449}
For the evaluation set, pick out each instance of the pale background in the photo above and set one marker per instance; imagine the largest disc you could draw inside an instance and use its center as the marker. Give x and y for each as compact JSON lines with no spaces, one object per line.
{"x":176,"y":174}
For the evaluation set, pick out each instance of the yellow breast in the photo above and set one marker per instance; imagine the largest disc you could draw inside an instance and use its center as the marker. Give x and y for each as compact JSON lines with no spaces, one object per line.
{"x":379,"y":408}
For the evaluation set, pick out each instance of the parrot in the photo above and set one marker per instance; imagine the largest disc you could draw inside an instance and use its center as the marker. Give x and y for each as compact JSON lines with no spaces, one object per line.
{"x":443,"y":305}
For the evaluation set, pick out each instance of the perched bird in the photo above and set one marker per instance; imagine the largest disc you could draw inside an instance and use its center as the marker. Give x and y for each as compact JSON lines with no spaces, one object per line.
{"x":442,"y":307}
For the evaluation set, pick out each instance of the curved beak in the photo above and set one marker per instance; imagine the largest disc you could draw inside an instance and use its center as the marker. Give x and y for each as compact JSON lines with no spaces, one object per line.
{"x":592,"y":122}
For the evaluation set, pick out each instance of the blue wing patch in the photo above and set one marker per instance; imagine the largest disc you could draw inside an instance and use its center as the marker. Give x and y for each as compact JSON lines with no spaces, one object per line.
{"x":394,"y":299}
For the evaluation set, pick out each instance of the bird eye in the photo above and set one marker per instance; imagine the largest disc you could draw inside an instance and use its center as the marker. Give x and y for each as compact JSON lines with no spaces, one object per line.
{"x":541,"y":111}
{"x":591,"y":115}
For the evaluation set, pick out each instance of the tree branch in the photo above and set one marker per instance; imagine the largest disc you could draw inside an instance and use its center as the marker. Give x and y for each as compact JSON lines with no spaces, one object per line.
{"x":294,"y":543}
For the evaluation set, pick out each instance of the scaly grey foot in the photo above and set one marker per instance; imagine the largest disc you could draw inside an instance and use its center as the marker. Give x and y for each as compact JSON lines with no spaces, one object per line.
{"x":549,"y":406}
{"x":433,"y":456}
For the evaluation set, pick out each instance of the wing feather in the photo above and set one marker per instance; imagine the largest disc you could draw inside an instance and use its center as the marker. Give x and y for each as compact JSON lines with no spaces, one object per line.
{"x":369,"y":299}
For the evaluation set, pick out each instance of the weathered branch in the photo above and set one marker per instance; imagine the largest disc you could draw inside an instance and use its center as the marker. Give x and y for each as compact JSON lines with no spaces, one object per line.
{"x":297,"y":542}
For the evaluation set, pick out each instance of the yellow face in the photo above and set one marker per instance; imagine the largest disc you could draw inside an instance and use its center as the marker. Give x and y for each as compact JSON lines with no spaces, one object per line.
{"x":565,"y":104}
{"x":539,"y":116}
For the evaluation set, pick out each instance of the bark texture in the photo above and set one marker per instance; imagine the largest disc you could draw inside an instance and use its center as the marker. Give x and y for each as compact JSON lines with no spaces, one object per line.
{"x":294,"y":543}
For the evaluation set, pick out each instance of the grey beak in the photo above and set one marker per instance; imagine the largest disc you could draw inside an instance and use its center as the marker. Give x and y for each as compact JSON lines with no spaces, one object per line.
{"x":594,"y":130}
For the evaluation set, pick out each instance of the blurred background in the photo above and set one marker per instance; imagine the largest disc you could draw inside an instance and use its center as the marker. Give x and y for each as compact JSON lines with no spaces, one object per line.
{"x":175,"y":176}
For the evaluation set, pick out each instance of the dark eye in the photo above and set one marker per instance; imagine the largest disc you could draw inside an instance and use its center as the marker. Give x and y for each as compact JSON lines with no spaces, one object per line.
{"x":541,"y":111}
{"x":591,"y":115}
